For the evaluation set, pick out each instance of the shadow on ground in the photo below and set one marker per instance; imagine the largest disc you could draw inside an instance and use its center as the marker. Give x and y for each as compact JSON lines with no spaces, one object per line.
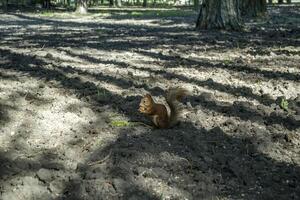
{"x":197,"y":162}
{"x":229,"y":160}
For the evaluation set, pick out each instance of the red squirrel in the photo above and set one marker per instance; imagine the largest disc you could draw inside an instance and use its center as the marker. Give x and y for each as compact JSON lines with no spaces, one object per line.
{"x":159,"y":113}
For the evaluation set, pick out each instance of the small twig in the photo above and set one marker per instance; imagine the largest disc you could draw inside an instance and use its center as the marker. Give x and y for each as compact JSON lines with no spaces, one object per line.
{"x":25,"y":95}
{"x":39,"y":49}
{"x":100,"y":161}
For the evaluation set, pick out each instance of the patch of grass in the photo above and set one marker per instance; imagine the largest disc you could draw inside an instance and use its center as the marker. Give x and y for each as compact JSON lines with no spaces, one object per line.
{"x":258,"y":81}
{"x":284,"y":104}
{"x":162,"y":13}
{"x":120,"y":123}
{"x":116,"y":120}
{"x":99,"y":31}
{"x":136,"y":13}
{"x":47,"y":13}
{"x":101,"y":92}
{"x":161,"y":196}
{"x":227,"y":62}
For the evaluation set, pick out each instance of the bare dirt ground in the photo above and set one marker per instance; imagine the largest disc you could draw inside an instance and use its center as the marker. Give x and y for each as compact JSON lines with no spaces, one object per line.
{"x":66,"y":81}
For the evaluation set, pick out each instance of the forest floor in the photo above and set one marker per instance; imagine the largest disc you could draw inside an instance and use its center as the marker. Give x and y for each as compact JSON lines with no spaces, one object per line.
{"x":70,"y":86}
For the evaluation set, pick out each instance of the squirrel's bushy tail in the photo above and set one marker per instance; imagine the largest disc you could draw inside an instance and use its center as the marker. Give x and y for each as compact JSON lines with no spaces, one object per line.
{"x":173,"y":98}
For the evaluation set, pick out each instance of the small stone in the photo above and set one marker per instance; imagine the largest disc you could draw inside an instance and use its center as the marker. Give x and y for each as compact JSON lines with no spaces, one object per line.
{"x":207,"y":96}
{"x":41,"y":85}
{"x":49,"y":55}
{"x":289,"y":137}
{"x":189,"y":105}
{"x":52,"y":165}
{"x":294,"y":120}
{"x":28,"y":180}
{"x":44,"y":175}
{"x":57,"y":186}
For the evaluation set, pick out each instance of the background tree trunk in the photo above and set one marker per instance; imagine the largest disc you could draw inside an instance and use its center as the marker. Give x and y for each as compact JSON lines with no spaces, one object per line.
{"x":81,"y":6}
{"x":270,"y":1}
{"x":111,"y":3}
{"x":196,"y":5}
{"x":4,"y":4}
{"x":253,"y":8}
{"x":46,"y":4}
{"x":280,"y":1}
{"x":118,"y":3}
{"x":144,"y":3}
{"x":219,"y":14}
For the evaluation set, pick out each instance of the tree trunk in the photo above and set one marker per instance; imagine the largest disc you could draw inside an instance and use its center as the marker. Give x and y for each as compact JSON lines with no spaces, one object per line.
{"x":144,"y":3}
{"x":81,"y":6}
{"x":118,"y":3}
{"x":253,"y":8}
{"x":196,"y":4}
{"x":4,"y":4}
{"x":289,"y":1}
{"x":280,"y":1}
{"x":46,"y":4}
{"x":111,"y":3}
{"x":219,"y":14}
{"x":270,"y":1}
